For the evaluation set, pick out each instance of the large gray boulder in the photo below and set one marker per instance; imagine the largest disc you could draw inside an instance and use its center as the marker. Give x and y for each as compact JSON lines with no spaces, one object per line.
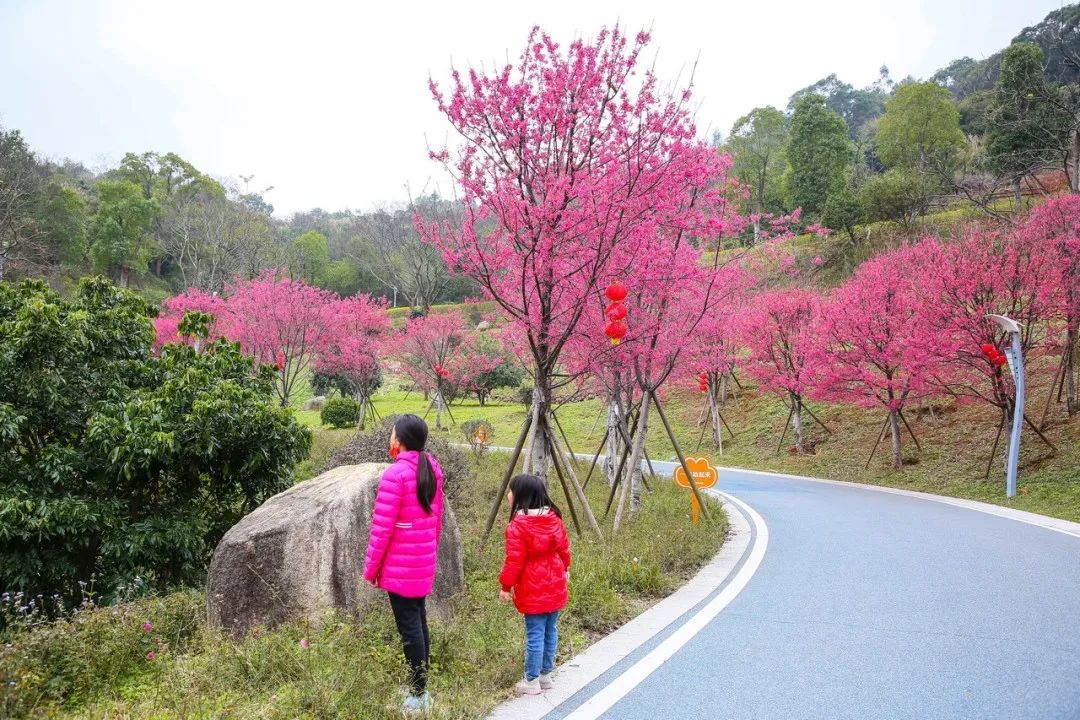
{"x":314,"y":403}
{"x":301,"y":554}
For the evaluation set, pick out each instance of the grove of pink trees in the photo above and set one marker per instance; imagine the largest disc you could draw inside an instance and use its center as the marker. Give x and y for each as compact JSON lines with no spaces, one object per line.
{"x":288,"y":324}
{"x":442,"y":357}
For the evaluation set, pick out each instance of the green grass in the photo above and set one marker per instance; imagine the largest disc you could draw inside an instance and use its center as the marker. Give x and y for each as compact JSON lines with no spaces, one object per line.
{"x":95,"y":666}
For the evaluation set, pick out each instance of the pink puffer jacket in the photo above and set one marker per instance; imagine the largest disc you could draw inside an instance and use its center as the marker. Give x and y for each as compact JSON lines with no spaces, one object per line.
{"x":404,"y":542}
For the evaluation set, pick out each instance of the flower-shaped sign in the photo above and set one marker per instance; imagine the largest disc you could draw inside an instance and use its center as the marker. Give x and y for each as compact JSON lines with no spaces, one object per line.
{"x":705,"y":476}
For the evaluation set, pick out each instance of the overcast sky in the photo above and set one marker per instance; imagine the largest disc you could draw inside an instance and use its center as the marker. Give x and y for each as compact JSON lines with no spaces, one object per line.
{"x":328,"y":102}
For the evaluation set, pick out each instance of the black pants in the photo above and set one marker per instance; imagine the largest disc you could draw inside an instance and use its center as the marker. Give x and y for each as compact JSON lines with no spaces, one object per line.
{"x":411,"y":618}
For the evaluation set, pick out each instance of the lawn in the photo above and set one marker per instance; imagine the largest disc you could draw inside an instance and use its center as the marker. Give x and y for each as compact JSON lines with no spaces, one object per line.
{"x":95,"y":666}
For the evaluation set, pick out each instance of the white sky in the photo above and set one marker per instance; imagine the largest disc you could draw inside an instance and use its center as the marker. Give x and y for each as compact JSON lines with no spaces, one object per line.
{"x":328,"y":102}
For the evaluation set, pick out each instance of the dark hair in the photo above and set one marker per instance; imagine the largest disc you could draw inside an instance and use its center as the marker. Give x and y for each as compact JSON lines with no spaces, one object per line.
{"x":411,"y":432}
{"x":530,"y":493}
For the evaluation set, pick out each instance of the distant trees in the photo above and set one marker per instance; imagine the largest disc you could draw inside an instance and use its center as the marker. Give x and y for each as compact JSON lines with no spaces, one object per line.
{"x":1025,"y":131}
{"x":757,"y":145}
{"x":820,"y":155}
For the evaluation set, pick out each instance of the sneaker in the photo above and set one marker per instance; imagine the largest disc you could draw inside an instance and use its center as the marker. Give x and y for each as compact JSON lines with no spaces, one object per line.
{"x":415,"y":704}
{"x":527,"y":687}
{"x":546,"y":682}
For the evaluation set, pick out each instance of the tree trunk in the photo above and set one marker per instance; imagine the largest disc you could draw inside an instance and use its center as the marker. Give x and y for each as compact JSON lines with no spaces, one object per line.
{"x":633,"y":468}
{"x":3,"y":261}
{"x":536,"y":461}
{"x":363,"y":401}
{"x":894,"y":431}
{"x":718,"y":438}
{"x":796,"y":422}
{"x":125,"y":275}
{"x":1018,"y":196}
{"x":757,"y":230}
{"x":614,"y":441}
{"x":440,"y":404}
{"x":635,"y":485}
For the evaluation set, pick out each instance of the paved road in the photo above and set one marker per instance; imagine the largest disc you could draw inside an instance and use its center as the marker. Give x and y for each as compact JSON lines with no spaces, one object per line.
{"x":871,"y":605}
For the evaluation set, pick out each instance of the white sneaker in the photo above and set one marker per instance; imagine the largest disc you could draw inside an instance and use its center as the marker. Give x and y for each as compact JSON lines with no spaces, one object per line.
{"x":527,"y":687}
{"x":416,"y":704}
{"x":546,"y":682}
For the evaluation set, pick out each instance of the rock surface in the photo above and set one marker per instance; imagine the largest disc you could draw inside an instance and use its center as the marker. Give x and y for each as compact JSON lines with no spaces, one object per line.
{"x":315,"y":403}
{"x":301,"y":554}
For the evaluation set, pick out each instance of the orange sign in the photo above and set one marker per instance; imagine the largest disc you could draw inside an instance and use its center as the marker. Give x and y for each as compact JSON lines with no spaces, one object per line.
{"x":705,"y":476}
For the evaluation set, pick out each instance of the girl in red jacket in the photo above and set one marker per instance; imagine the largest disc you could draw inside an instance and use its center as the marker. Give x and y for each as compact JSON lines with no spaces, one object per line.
{"x":536,"y":571}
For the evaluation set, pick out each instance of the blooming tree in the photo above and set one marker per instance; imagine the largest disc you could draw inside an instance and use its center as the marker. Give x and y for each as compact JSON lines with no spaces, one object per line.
{"x":350,"y":353}
{"x":1056,"y":227}
{"x":441,"y":356}
{"x":779,"y":331}
{"x":874,"y":350}
{"x":167,"y":323}
{"x":566,"y":156}
{"x":982,"y":272}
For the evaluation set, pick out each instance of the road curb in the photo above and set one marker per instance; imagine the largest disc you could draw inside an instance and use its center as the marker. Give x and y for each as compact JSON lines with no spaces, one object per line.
{"x":1046,"y":522}
{"x":582,"y":670}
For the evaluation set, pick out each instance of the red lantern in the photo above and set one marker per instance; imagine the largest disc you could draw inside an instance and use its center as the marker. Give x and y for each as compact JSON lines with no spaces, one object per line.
{"x":616,"y":331}
{"x":988,"y":349}
{"x":615,"y":311}
{"x":999,"y":360}
{"x":281,"y":361}
{"x":616,"y":292}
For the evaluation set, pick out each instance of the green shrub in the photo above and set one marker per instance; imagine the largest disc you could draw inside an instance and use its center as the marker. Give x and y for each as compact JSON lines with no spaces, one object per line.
{"x":373,"y":446}
{"x":340,"y":412}
{"x":118,"y":463}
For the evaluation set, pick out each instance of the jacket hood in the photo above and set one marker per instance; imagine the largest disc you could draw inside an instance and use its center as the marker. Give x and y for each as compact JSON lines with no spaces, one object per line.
{"x":542,"y":531}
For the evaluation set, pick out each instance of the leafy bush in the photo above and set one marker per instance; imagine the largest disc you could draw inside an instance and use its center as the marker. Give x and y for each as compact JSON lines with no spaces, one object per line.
{"x":897,"y":196}
{"x":373,"y":446}
{"x":117,"y":463}
{"x":340,"y":412}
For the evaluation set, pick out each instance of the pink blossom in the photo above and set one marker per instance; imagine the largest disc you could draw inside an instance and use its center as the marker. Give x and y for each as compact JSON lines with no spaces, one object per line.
{"x":147,"y":626}
{"x":150,"y":655}
{"x":305,"y":643}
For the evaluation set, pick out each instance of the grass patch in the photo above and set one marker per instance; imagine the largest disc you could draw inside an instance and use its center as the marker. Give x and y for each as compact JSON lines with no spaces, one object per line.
{"x":95,"y":666}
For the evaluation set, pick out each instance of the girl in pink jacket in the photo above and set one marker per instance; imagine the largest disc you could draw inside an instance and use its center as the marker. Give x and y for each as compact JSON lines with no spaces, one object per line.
{"x":404,"y":544}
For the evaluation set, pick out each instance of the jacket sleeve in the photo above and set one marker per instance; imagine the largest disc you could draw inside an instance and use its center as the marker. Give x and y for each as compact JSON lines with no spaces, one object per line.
{"x":515,"y":558}
{"x":564,"y":547}
{"x":383,"y":518}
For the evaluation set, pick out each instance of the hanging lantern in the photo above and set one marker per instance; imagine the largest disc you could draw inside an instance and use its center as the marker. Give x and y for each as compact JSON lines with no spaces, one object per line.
{"x":615,"y":311}
{"x":987,"y":349}
{"x":999,"y":360}
{"x":616,"y":330}
{"x":616,"y":292}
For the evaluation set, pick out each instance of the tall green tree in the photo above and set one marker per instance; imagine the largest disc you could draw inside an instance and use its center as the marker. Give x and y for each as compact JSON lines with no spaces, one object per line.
{"x":120,"y":230}
{"x":1026,"y":129}
{"x":819,"y":153}
{"x":20,"y":187}
{"x":920,"y":130}
{"x":756,"y":145}
{"x":309,"y":257}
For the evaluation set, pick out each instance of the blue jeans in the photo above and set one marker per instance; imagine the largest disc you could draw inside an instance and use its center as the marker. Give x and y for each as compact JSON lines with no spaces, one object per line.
{"x":541,"y":642}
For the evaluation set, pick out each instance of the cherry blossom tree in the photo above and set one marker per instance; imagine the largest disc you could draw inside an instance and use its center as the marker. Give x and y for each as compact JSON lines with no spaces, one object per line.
{"x":350,"y":354}
{"x":874,"y":352}
{"x":982,"y":272}
{"x":567,"y":156}
{"x":779,"y":330}
{"x":441,"y":356}
{"x":167,"y":323}
{"x":1055,"y":226}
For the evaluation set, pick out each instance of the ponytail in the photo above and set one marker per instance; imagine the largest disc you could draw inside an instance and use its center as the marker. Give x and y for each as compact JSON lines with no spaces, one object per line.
{"x":425,"y":482}
{"x":412,"y":432}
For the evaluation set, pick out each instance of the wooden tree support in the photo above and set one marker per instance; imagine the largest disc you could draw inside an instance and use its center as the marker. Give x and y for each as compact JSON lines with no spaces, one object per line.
{"x":791,"y":414}
{"x":596,"y":457}
{"x":679,"y":453}
{"x":556,"y":462}
{"x":648,"y":460}
{"x":1055,"y":388}
{"x":514,"y":456}
{"x":993,"y":450}
{"x":880,"y":437}
{"x":567,"y":462}
{"x":910,"y":431}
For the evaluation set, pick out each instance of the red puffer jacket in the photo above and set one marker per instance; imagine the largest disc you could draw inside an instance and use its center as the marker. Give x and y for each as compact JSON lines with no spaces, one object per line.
{"x":537,"y":558}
